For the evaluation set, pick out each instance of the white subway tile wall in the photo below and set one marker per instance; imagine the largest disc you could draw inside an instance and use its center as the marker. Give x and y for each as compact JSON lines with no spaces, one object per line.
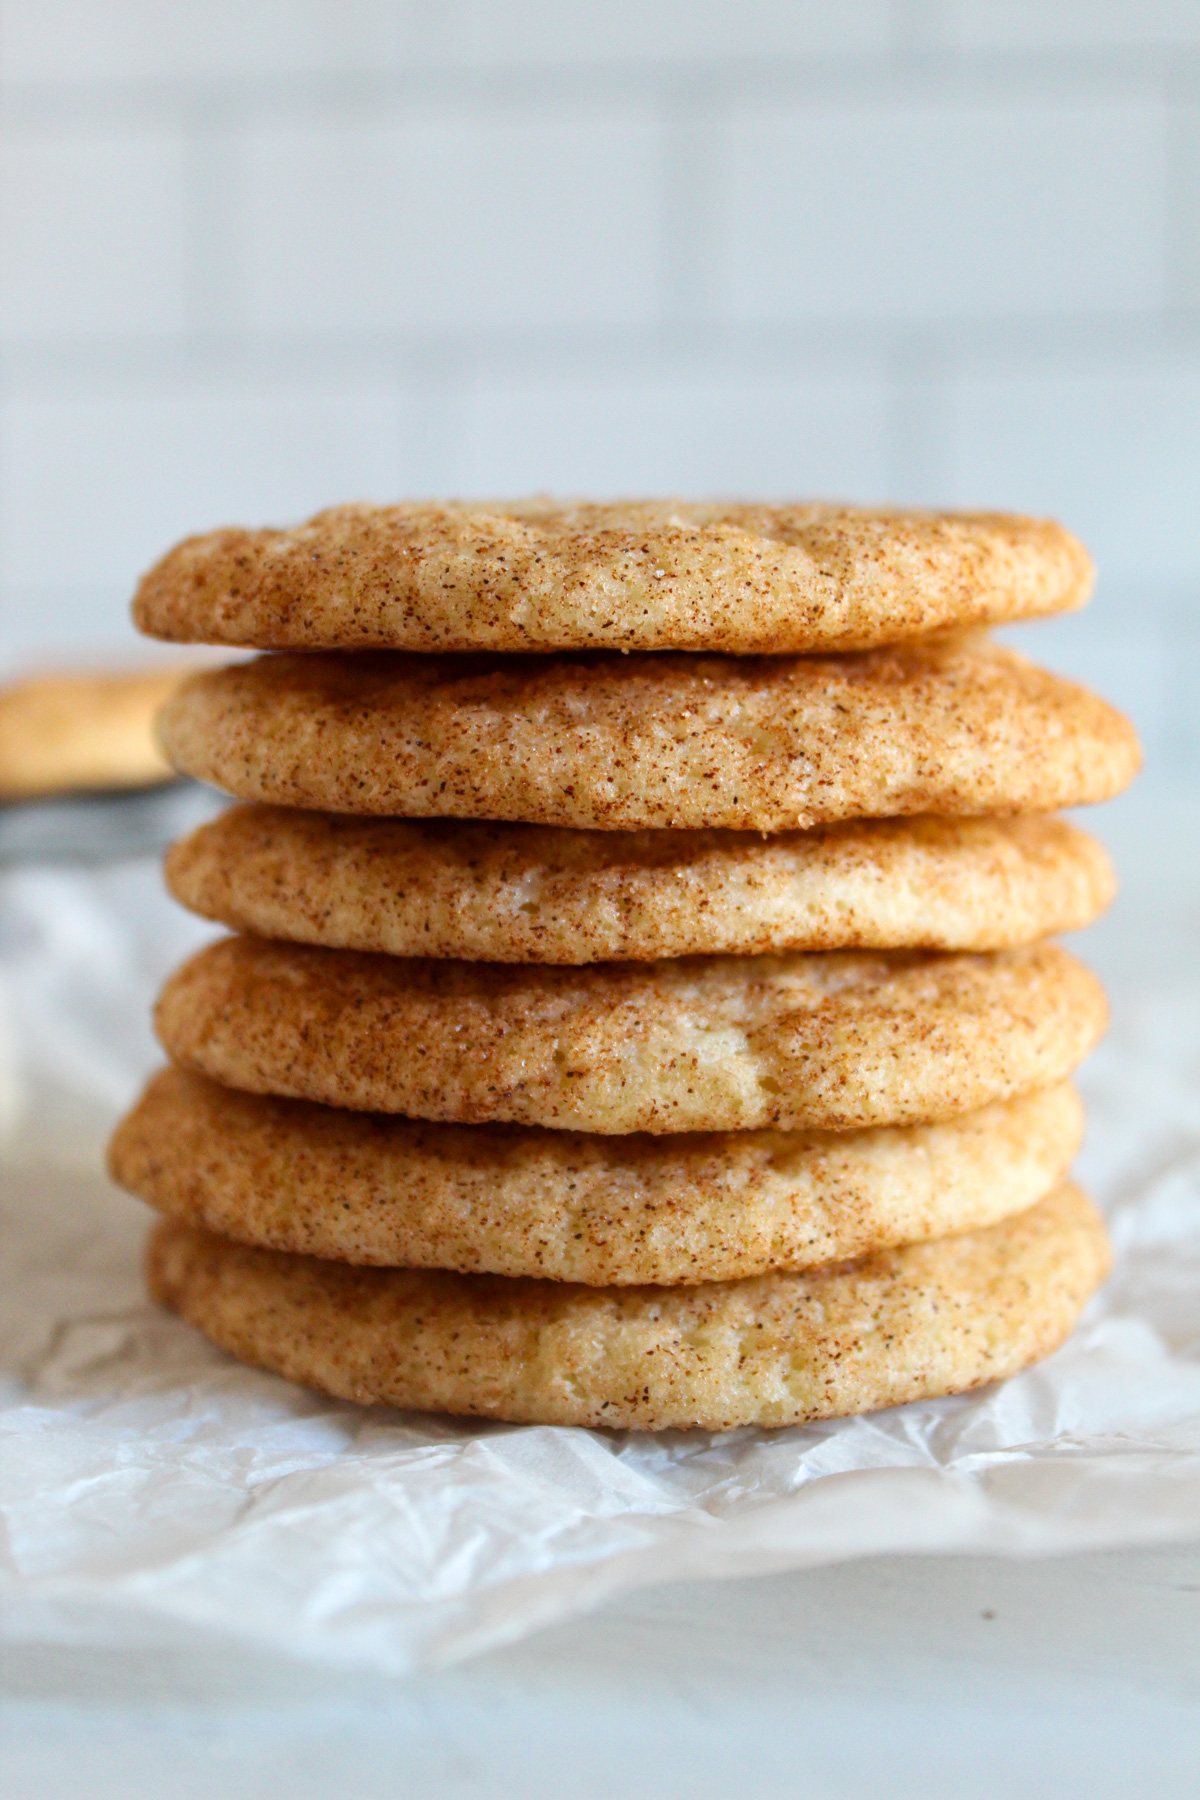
{"x":94,"y":233}
{"x":121,"y":41}
{"x":670,"y":31}
{"x":259,"y":257}
{"x":926,"y":211}
{"x":1074,"y":24}
{"x":688,"y":432}
{"x":446,"y":221}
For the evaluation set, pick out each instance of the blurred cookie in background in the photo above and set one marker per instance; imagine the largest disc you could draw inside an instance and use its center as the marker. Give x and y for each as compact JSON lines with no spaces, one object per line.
{"x":75,"y":733}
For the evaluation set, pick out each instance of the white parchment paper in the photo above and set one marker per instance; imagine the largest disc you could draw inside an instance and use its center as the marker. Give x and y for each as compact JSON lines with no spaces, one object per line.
{"x":154,"y":1492}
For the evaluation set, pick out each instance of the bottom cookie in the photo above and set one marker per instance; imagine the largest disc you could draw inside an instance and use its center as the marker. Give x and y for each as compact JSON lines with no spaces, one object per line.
{"x":782,"y":1349}
{"x":607,"y":1211}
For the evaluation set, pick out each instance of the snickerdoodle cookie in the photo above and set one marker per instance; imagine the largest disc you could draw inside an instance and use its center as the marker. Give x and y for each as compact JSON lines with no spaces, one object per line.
{"x":606,"y":1211}
{"x":79,"y":733}
{"x":838,"y":1040}
{"x":779,"y":1349}
{"x":530,"y":893}
{"x":955,"y":725}
{"x":636,"y":575}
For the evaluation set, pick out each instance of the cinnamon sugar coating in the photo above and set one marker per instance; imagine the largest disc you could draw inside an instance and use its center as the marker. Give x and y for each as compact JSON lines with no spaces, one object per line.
{"x":948,"y":726}
{"x":528,"y":893}
{"x":839,"y":1040}
{"x":779,"y":1349}
{"x":637,"y":575}
{"x":565,"y":1206}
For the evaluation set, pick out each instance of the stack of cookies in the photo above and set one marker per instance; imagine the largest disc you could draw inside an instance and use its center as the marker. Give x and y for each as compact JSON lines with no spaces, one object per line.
{"x":641,"y":1010}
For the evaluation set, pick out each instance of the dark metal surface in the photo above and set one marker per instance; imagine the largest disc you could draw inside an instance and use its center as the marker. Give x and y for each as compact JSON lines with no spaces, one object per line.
{"x":93,"y":828}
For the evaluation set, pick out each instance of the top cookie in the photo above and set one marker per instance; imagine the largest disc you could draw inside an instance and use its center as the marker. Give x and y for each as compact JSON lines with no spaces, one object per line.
{"x":630,"y":575}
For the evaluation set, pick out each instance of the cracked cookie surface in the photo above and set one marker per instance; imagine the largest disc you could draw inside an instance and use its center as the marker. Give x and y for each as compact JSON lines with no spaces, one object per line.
{"x":638,"y":575}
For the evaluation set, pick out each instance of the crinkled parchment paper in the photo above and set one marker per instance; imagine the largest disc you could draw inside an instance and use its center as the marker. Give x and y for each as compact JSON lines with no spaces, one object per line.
{"x":154,"y":1492}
